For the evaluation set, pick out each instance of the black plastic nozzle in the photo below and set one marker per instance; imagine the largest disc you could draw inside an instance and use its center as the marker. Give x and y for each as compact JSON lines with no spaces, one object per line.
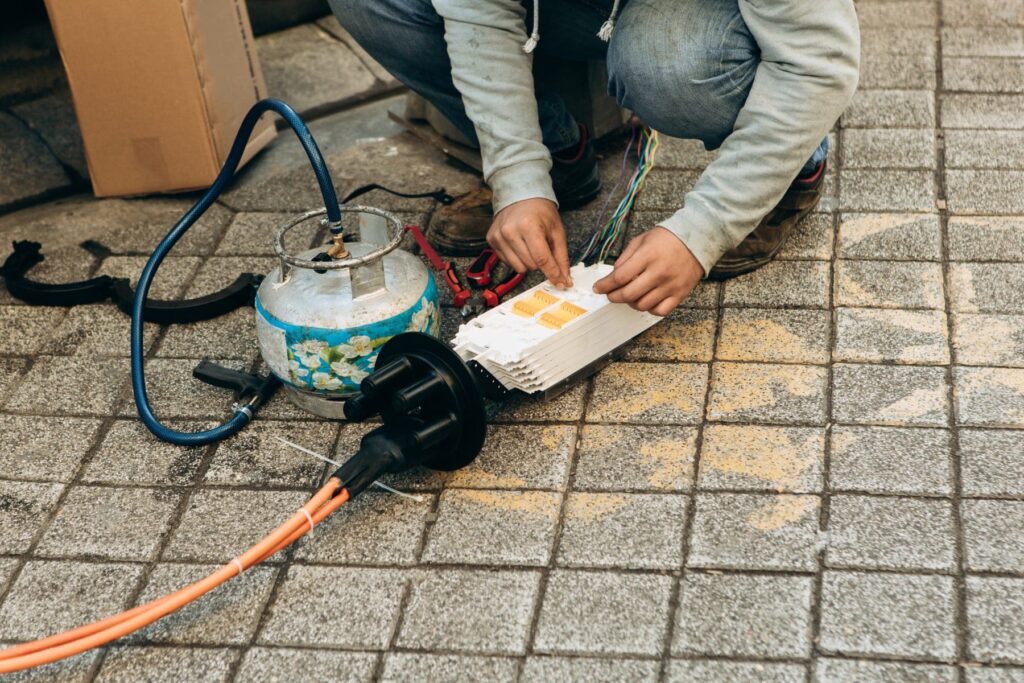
{"x":432,"y":410}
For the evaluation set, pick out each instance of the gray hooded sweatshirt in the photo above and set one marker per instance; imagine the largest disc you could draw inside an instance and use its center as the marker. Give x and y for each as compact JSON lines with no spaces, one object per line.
{"x":810,"y":55}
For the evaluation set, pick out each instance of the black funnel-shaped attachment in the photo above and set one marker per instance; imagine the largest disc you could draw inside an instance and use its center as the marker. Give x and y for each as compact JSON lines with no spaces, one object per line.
{"x":432,"y":409}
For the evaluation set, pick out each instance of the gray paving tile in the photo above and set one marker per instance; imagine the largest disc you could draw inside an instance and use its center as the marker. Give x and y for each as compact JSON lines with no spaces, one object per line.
{"x":284,"y":664}
{"x":877,"y":335}
{"x":780,"y":284}
{"x":989,"y":396}
{"x":635,"y":458}
{"x":831,"y":670}
{"x":983,"y":41}
{"x":762,"y":458}
{"x":889,"y":148}
{"x":567,"y":407}
{"x":985,"y":191}
{"x":870,"y":532}
{"x":973,"y":74}
{"x":983,"y":13}
{"x":627,"y":530}
{"x":989,"y":462}
{"x":983,"y":148}
{"x":251,"y":233}
{"x":990,"y":674}
{"x":888,"y":14}
{"x":991,"y":538}
{"x":475,"y":611}
{"x":755,"y":392}
{"x":812,"y":239}
{"x":891,"y":460}
{"x":232,"y":335}
{"x":885,"y":190}
{"x":665,"y":190}
{"x":217,"y":272}
{"x":101,"y":330}
{"x":890,"y":236}
{"x":24,"y":510}
{"x":51,"y":596}
{"x":603,"y":613}
{"x":737,"y":615}
{"x":890,"y":395}
{"x":330,"y":24}
{"x":305,"y":63}
{"x":11,"y":371}
{"x":171,"y":280}
{"x":53,"y":118}
{"x":724,"y":671}
{"x":888,"y":615}
{"x":110,"y":523}
{"x":755,"y":531}
{"x":989,"y":339}
{"x":219,"y":524}
{"x":774,"y":335}
{"x":24,"y":330}
{"x":995,"y":620}
{"x":686,"y":334}
{"x":683,"y":154}
{"x":132,"y":663}
{"x":493,"y":527}
{"x":375,"y":528}
{"x":654,"y":393}
{"x":77,"y":669}
{"x":254,"y":456}
{"x":879,"y":70}
{"x":174,"y":393}
{"x":7,"y":567}
{"x":518,"y":457}
{"x":889,"y":284}
{"x":306,"y":609}
{"x":29,"y":168}
{"x":406,"y":666}
{"x":970,"y":110}
{"x":897,"y":40}
{"x":602,"y":670}
{"x":986,"y":287}
{"x":76,"y":385}
{"x":228,"y":615}
{"x":986,"y":238}
{"x":47,"y":448}
{"x":130,"y":454}
{"x":891,"y":108}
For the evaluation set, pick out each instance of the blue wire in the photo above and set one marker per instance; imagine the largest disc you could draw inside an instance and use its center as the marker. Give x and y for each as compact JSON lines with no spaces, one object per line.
{"x":226,"y":175}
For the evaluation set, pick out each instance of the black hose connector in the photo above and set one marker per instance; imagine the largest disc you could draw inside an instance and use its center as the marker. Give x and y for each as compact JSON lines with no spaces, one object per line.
{"x":431,"y":407}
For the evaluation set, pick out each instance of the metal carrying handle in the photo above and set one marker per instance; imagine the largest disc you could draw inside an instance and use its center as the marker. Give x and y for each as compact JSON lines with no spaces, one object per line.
{"x":396,"y":228}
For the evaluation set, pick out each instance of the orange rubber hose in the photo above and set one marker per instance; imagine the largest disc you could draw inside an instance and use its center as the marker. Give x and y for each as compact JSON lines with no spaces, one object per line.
{"x":87,"y":637}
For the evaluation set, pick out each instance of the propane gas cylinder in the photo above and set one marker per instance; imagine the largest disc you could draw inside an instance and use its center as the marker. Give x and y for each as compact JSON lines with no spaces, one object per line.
{"x":323,"y":314}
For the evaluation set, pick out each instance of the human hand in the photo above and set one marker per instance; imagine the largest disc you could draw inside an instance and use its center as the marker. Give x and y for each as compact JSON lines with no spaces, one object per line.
{"x":655,"y":273}
{"x":528,"y":235}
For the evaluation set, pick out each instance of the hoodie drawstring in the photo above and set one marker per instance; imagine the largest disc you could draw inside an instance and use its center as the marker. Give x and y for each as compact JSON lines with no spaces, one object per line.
{"x":605,"y":33}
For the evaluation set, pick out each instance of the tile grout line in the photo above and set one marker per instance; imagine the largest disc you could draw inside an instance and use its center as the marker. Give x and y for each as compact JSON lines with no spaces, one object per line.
{"x":686,"y":539}
{"x":960,"y":623}
{"x":552,"y":564}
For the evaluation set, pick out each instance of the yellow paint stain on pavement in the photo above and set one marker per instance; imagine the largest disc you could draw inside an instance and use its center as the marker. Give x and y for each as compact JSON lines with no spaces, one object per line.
{"x":768,"y":454}
{"x":781,"y":511}
{"x":738,"y":338}
{"x":918,"y":403}
{"x":554,"y":438}
{"x":669,"y":458}
{"x":744,"y":387}
{"x":529,"y":502}
{"x":590,"y":507}
{"x":477,"y":476}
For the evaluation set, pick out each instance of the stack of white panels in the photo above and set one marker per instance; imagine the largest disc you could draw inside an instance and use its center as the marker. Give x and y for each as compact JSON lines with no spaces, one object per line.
{"x":535,"y":340}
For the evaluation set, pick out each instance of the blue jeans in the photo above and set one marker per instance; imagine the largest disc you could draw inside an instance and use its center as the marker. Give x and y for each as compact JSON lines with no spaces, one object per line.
{"x":683,"y":66}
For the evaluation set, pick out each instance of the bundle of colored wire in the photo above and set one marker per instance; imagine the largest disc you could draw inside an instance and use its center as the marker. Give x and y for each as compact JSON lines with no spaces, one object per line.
{"x":46,"y":650}
{"x":602,"y":240}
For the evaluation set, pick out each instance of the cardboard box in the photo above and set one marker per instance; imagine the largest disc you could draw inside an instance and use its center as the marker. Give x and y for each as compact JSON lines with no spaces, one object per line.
{"x":160,"y":88}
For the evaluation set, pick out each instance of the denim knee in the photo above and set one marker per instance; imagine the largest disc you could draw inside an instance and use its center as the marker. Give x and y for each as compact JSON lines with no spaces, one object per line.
{"x":378,"y":23}
{"x":685,"y":72}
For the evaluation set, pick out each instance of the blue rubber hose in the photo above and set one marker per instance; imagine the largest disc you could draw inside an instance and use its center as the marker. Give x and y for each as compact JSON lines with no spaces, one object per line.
{"x":242,"y":415}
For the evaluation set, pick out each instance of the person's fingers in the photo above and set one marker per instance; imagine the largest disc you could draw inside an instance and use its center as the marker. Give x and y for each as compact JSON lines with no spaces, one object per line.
{"x":622,"y":275}
{"x":539,"y":252}
{"x":666,"y":306}
{"x":561,"y":252}
{"x":651,"y":299}
{"x":638,"y":288}
{"x":631,"y":247}
{"x":505,"y":252}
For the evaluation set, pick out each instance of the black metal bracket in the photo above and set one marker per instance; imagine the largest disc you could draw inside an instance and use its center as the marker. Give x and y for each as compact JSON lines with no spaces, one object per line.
{"x":27,"y":254}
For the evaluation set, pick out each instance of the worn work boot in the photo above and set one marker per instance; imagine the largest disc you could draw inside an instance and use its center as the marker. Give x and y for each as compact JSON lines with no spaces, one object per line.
{"x":460,"y":228}
{"x":761,"y":246}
